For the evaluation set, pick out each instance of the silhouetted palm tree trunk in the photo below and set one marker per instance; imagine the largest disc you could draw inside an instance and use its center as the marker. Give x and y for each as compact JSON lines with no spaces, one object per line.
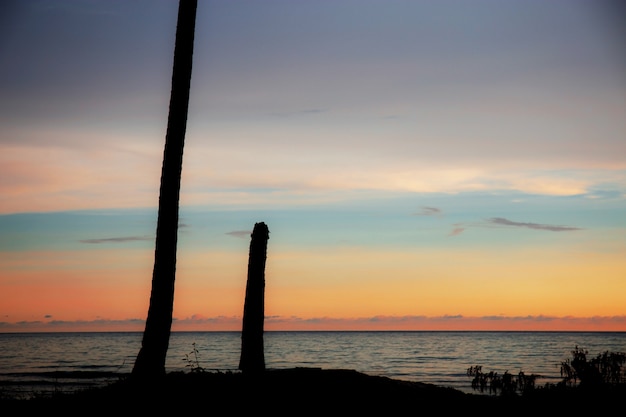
{"x":151,"y":358}
{"x":252,"y":356}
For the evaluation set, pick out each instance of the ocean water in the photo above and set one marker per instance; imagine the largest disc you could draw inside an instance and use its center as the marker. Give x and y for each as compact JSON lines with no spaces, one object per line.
{"x":46,"y":362}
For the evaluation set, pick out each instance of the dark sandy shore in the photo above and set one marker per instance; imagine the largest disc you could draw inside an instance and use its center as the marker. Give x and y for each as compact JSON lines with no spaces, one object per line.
{"x":303,"y":392}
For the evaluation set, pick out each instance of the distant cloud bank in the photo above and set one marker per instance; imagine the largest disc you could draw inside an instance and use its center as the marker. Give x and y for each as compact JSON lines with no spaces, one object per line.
{"x":374,"y":323}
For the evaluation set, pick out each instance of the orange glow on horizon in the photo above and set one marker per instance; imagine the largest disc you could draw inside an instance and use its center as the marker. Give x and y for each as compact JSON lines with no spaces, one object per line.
{"x":110,"y":289}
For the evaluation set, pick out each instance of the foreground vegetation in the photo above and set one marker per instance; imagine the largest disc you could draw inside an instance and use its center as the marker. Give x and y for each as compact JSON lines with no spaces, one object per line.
{"x":604,"y":373}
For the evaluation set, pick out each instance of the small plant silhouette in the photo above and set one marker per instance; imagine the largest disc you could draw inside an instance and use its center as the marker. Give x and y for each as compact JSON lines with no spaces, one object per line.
{"x":605,"y":370}
{"x":506,"y":384}
{"x":192,"y":360}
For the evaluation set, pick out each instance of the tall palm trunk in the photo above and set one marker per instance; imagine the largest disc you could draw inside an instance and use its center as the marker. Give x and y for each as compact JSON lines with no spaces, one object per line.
{"x":252,"y":358}
{"x":151,"y":358}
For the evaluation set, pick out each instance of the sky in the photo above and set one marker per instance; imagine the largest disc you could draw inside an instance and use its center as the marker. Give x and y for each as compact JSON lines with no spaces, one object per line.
{"x":421,"y":165}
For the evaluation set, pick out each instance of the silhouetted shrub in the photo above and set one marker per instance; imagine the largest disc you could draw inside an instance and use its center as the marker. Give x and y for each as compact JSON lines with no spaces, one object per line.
{"x":506,"y":384}
{"x":606,"y":369}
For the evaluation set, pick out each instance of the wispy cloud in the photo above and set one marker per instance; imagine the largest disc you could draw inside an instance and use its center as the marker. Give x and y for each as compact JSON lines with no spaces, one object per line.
{"x":242,"y":234}
{"x":501,"y":221}
{"x":457,"y":230}
{"x":536,"y":226}
{"x":428,"y":211}
{"x":123,"y":239}
{"x":299,"y":112}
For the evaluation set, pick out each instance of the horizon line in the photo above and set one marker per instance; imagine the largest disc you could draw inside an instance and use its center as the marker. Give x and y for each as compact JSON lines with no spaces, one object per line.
{"x":325,"y":331}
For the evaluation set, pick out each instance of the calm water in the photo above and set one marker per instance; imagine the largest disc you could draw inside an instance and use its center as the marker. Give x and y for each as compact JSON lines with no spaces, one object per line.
{"x":43,"y":362}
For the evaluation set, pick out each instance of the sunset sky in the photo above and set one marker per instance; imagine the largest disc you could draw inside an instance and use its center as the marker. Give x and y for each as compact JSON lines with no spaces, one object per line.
{"x":421,"y":165}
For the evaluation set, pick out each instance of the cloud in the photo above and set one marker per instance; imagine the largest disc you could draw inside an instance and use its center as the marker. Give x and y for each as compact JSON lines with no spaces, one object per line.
{"x":456,"y":231}
{"x":198,"y":322}
{"x":299,"y":112}
{"x":501,"y":221}
{"x":117,"y":239}
{"x":242,"y":234}
{"x":429,"y":211}
{"x":448,"y":322}
{"x":73,"y":325}
{"x":536,"y":226}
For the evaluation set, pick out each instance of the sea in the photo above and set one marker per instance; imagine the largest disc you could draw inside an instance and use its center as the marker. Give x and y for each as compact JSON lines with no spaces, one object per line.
{"x":34,"y":364}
